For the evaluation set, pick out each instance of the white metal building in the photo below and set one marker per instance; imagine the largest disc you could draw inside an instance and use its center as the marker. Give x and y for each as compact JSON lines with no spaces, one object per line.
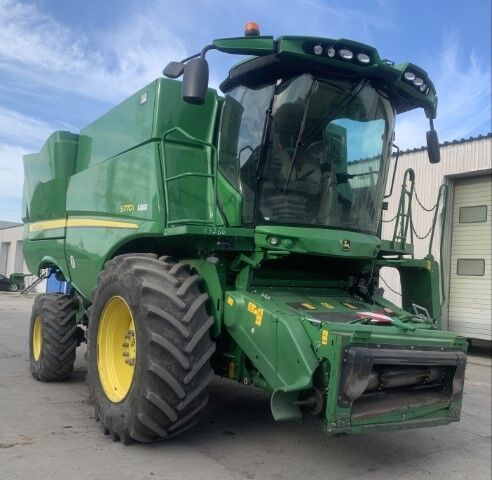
{"x":11,"y":257}
{"x":466,"y":168}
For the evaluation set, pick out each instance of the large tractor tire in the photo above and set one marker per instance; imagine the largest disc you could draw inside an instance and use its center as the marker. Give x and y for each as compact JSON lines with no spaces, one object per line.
{"x":149,"y":348}
{"x":53,"y":337}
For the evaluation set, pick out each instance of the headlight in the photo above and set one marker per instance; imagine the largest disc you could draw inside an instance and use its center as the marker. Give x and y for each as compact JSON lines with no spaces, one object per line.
{"x":410,"y":76}
{"x":346,"y":54}
{"x":418,"y":82}
{"x":363,"y":58}
{"x":331,"y":52}
{"x":318,"y":49}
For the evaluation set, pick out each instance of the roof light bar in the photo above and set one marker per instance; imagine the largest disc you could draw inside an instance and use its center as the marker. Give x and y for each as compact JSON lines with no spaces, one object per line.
{"x":417,"y":82}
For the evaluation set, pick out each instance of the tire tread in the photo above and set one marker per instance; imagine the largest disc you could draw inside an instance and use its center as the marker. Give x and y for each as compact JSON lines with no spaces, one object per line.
{"x":172,"y":389}
{"x":57,"y":312}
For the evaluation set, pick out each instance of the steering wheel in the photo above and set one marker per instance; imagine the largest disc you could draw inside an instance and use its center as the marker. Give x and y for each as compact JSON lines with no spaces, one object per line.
{"x":316,"y":150}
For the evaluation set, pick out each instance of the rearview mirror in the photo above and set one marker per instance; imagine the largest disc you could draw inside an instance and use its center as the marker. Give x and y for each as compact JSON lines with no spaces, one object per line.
{"x":173,"y":70}
{"x":433,"y":147}
{"x":195,"y":81}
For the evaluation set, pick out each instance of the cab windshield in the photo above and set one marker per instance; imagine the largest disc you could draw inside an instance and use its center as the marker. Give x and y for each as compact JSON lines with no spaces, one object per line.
{"x":308,"y":152}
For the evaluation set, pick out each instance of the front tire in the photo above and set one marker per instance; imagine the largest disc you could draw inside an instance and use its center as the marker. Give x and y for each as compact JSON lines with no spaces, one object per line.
{"x":155,"y":311}
{"x":53,"y":337}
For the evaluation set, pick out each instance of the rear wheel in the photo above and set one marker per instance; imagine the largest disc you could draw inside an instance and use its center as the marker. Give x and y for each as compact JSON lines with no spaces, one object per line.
{"x":53,"y":337}
{"x":149,"y":348}
{"x":14,"y":287}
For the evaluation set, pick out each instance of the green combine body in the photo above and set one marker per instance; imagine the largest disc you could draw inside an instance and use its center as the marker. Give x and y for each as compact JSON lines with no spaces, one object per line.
{"x":240,"y":234}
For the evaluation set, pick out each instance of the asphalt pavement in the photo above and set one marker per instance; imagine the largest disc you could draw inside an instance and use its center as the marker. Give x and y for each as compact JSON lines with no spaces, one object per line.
{"x":48,"y":431}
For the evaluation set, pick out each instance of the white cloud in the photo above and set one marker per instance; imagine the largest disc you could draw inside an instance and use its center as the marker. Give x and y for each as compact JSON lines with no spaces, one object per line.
{"x":50,"y":55}
{"x":357,"y":19}
{"x":18,"y":129}
{"x":463,"y":86}
{"x":12,"y":176}
{"x":39,"y":53}
{"x":20,"y":135}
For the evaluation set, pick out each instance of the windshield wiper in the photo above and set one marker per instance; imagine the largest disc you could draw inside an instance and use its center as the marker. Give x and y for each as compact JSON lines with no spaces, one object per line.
{"x":263,"y":151}
{"x":299,"y":135}
{"x":338,"y":108}
{"x":327,"y":119}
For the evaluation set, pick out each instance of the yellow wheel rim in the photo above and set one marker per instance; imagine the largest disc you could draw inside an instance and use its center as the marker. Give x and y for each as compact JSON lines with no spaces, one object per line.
{"x":37,"y":338}
{"x":116,"y":349}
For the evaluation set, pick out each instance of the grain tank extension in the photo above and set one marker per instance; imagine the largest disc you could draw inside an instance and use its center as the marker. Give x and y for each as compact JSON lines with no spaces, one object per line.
{"x":240,"y":234}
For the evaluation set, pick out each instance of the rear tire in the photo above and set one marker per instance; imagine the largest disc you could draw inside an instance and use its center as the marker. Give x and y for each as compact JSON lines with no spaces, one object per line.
{"x":52,"y":337}
{"x":171,"y":356}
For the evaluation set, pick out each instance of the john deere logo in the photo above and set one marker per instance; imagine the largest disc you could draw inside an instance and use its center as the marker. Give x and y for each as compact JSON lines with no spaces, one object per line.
{"x":346,"y":244}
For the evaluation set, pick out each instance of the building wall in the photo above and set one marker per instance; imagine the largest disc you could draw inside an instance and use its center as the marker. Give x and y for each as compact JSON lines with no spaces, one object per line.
{"x":11,"y":257}
{"x":458,"y":159}
{"x":470,"y":295}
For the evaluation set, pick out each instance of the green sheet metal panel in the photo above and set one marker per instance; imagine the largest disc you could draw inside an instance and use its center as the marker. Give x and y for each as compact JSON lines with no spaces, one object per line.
{"x":124,"y":127}
{"x":41,"y":253}
{"x":46,"y":179}
{"x":274,"y":340}
{"x":126,"y":193}
{"x":145,"y":116}
{"x":171,"y":111}
{"x":189,"y":183}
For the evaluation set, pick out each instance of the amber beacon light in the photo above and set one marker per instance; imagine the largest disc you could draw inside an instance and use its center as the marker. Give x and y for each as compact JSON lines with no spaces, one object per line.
{"x":251,"y":29}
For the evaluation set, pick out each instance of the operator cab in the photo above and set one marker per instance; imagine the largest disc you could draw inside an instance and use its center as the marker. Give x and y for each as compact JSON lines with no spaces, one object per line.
{"x":307,"y":126}
{"x":325,"y":156}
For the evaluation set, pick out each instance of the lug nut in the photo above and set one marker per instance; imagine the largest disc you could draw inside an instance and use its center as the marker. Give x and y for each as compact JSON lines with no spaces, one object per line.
{"x":126,"y":354}
{"x":125,"y":344}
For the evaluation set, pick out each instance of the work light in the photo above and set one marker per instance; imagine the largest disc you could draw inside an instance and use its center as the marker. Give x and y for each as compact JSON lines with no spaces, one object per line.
{"x":363,"y":58}
{"x":346,"y":54}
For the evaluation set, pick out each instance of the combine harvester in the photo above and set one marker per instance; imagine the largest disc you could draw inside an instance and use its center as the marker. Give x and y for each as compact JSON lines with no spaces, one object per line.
{"x":241,"y":235}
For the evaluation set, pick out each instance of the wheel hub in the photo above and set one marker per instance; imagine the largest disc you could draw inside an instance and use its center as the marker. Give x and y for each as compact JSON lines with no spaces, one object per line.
{"x":130,"y":348}
{"x":116,"y":349}
{"x":37,"y":338}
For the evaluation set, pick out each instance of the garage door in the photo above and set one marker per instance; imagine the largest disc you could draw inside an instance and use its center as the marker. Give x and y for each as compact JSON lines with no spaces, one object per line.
{"x":470,"y":302}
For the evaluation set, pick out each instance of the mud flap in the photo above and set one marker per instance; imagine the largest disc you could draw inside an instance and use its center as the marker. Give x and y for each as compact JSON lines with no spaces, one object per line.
{"x":278,"y":346}
{"x":282,"y":405}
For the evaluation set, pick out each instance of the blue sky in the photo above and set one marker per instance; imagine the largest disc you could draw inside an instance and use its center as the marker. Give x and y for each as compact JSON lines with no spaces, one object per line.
{"x":64,"y":63}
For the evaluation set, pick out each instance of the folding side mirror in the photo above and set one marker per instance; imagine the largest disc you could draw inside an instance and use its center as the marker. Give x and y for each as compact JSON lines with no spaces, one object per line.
{"x":433,"y":147}
{"x":195,"y":81}
{"x":173,"y":70}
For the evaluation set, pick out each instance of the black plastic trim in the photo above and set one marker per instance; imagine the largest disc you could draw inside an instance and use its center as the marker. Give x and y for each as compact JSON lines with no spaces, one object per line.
{"x":358,"y":362}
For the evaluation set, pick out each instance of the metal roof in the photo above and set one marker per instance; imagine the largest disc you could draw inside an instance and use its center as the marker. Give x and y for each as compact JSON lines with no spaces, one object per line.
{"x":451,"y":142}
{"x":5,"y":224}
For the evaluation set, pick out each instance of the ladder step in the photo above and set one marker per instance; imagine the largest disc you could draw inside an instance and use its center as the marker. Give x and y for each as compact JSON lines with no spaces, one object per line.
{"x":33,"y":284}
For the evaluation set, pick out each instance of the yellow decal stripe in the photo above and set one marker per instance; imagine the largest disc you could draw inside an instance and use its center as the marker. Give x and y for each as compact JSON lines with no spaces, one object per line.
{"x":230,"y":370}
{"x":92,"y":222}
{"x":308,"y":306}
{"x":47,"y":225}
{"x":79,"y":222}
{"x":349,"y":305}
{"x":257,"y":312}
